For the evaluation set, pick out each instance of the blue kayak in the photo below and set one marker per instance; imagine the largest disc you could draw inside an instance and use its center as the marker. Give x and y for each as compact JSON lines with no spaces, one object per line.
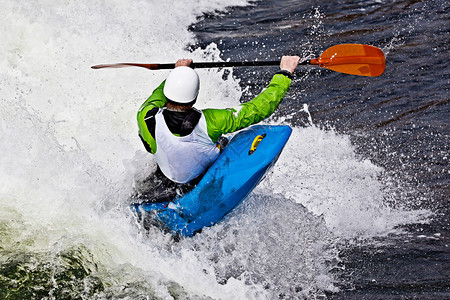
{"x":230,"y":179}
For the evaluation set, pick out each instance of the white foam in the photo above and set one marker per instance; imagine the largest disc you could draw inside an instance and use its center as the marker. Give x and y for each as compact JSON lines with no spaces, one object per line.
{"x":69,"y":137}
{"x":320,"y":169}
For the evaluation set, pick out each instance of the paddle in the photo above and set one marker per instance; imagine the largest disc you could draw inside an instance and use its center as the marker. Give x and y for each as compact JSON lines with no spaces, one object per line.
{"x":355,"y":59}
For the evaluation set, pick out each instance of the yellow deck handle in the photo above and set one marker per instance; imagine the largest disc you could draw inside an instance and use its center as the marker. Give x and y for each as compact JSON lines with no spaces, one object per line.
{"x":255,"y":143}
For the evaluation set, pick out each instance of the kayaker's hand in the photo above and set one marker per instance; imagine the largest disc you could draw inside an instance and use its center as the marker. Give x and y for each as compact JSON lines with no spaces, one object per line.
{"x":183,"y":62}
{"x":289,"y":63}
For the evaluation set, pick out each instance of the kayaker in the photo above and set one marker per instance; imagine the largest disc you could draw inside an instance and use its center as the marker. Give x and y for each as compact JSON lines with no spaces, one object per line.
{"x":186,"y":141}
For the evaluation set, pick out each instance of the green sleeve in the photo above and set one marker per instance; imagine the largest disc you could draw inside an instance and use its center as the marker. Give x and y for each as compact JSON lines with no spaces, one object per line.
{"x":222,"y":121}
{"x":156,"y":99}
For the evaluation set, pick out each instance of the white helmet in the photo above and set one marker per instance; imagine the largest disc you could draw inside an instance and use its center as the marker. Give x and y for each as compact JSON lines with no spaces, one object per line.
{"x":182,"y":85}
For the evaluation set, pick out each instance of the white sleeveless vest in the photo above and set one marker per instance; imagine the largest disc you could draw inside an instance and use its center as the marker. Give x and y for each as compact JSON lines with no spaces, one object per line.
{"x":182,"y":159}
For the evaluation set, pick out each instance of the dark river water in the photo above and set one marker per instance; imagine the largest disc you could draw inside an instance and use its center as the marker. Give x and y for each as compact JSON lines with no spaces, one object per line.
{"x":399,"y":120}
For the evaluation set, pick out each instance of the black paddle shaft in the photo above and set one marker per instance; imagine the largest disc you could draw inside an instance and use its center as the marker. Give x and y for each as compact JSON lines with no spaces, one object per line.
{"x":226,"y":64}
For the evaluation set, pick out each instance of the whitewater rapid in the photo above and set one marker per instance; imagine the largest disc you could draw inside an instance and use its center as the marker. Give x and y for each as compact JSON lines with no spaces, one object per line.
{"x":70,"y":158}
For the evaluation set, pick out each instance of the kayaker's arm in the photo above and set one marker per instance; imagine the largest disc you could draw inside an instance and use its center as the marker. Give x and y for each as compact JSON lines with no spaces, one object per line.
{"x":155,"y":101}
{"x":222,"y":121}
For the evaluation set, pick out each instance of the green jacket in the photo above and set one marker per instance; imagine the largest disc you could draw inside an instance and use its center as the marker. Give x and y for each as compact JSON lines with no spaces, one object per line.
{"x":222,"y":121}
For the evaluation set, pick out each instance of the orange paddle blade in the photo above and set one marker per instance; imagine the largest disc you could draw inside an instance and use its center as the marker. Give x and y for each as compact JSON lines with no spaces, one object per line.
{"x":355,"y":59}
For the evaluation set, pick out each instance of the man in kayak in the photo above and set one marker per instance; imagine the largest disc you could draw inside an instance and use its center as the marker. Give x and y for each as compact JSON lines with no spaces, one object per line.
{"x":186,"y":141}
